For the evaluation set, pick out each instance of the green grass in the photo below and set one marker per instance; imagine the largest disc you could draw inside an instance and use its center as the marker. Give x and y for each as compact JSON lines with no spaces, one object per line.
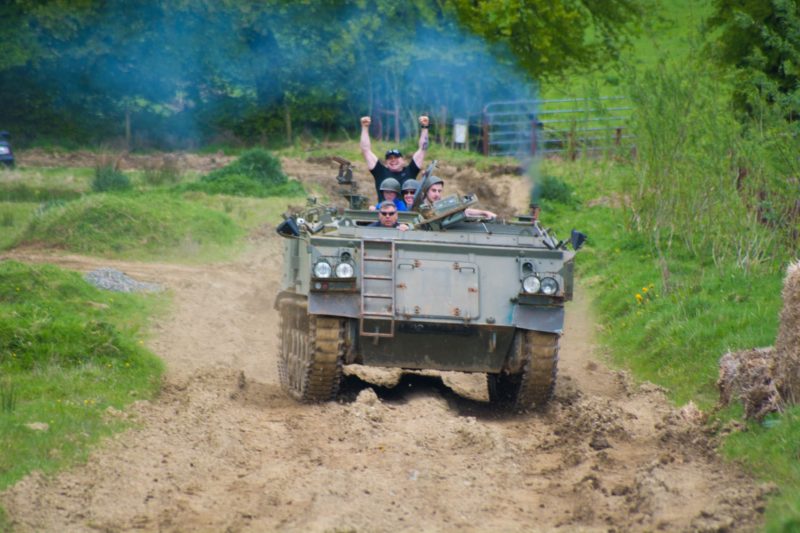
{"x":669,"y":29}
{"x":691,"y":313}
{"x":772,"y":450}
{"x":26,"y":184}
{"x":142,"y":226}
{"x":248,"y":213}
{"x":14,"y":218}
{"x":68,"y":353}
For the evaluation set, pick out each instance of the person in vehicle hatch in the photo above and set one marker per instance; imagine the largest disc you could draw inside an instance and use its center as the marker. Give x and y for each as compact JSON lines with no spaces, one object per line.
{"x":434,"y":194}
{"x":395,"y":166}
{"x":391,"y":191}
{"x":387,"y":217}
{"x":410,"y":188}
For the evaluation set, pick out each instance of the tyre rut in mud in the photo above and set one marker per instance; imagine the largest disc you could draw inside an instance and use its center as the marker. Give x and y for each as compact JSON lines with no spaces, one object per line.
{"x":534,"y":385}
{"x":311,"y":352}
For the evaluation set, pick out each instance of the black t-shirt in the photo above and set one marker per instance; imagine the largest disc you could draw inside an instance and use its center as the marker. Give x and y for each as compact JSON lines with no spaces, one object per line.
{"x":380,"y":173}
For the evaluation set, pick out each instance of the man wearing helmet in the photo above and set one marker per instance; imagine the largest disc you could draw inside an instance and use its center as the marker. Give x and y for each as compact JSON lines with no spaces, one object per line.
{"x":390,"y":188}
{"x":435,"y":189}
{"x":395,"y":166}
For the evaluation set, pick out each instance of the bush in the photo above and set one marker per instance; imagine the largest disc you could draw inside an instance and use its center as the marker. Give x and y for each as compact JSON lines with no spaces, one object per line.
{"x":257,"y":164}
{"x":556,"y":190}
{"x":256,"y":173}
{"x":107,"y":178}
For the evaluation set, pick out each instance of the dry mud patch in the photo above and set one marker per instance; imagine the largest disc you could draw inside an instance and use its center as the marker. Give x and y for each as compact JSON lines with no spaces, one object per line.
{"x":223,"y":449}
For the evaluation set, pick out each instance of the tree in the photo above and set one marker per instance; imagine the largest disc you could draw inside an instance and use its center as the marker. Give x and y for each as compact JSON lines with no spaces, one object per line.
{"x":760,"y":39}
{"x":549,"y":37}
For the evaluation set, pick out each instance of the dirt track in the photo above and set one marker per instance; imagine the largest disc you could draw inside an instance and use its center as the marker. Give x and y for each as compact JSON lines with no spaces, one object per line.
{"x":223,"y":449}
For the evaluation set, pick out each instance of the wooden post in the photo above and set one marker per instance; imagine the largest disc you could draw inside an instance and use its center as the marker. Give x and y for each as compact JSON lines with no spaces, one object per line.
{"x":534,"y":134}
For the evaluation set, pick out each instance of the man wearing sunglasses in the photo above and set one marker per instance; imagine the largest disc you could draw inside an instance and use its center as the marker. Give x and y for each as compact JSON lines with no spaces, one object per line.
{"x":387,"y":217}
{"x":395,"y":166}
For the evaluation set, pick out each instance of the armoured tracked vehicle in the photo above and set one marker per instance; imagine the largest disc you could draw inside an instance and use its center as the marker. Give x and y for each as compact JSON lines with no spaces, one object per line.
{"x":451,"y":294}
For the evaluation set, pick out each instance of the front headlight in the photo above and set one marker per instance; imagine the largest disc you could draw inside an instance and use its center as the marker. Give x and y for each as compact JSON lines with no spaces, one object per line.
{"x":4,"y":150}
{"x":344,"y":270}
{"x":322,"y":270}
{"x":549,"y":286}
{"x":531,"y":284}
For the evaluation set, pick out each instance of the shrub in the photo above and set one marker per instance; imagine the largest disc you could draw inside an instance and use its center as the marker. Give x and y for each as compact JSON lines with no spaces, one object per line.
{"x":107,"y":178}
{"x":257,"y":164}
{"x":556,"y":190}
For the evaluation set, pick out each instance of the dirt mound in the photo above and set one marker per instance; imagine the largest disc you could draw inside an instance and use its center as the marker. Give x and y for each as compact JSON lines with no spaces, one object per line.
{"x":765,"y":379}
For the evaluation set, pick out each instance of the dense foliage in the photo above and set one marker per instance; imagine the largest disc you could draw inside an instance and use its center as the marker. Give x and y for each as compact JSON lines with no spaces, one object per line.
{"x":761,"y":40}
{"x":161,"y":73}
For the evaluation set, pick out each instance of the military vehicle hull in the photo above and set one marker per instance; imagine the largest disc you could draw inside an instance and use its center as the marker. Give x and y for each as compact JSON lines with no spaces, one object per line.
{"x":453,"y":300}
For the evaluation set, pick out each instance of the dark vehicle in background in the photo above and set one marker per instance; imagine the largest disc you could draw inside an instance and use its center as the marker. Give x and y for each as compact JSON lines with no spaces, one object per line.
{"x":6,"y":154}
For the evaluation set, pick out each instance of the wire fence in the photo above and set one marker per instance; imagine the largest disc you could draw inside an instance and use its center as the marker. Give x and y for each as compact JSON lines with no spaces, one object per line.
{"x":569,"y":126}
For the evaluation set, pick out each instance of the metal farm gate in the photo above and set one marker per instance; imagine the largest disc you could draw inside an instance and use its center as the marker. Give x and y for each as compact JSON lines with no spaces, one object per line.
{"x":569,"y":126}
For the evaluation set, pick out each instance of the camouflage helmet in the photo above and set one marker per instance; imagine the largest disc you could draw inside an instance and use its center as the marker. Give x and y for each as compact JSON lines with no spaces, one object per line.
{"x":390,"y":184}
{"x":411,"y":185}
{"x":433,"y":180}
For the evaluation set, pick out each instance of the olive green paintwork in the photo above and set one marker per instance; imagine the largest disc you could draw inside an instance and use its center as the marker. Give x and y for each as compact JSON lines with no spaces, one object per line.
{"x":450,"y":299}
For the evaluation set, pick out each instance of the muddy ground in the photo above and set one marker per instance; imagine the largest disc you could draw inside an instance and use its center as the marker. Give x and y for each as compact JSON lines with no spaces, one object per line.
{"x":224,"y":449}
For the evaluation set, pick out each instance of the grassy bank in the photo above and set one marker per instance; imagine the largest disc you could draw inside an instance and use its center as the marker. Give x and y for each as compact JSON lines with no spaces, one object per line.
{"x":143,"y":226}
{"x":669,"y":318}
{"x":70,"y":354}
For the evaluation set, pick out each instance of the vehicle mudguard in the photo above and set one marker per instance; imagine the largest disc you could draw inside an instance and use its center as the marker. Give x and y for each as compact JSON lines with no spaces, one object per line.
{"x":546,"y":319}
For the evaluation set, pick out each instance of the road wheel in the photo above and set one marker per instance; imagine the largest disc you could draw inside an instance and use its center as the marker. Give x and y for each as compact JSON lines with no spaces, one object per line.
{"x":534,"y":385}
{"x":311,"y":353}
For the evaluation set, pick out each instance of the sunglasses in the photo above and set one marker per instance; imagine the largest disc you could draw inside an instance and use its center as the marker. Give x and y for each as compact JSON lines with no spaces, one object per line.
{"x":406,"y":193}
{"x":387,"y":213}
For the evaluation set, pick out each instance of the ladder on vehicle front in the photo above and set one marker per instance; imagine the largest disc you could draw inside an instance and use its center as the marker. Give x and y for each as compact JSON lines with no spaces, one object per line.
{"x":377,"y":289}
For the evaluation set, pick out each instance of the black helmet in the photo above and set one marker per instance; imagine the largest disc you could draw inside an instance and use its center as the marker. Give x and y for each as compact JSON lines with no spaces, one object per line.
{"x":390,"y":184}
{"x":410,"y":185}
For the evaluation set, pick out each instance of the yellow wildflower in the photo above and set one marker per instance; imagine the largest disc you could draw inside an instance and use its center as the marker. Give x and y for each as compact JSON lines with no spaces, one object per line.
{"x":638,"y":297}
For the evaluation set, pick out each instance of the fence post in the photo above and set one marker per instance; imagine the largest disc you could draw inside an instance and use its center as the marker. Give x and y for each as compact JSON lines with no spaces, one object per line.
{"x":534,"y":134}
{"x":618,"y":137}
{"x":572,"y":146}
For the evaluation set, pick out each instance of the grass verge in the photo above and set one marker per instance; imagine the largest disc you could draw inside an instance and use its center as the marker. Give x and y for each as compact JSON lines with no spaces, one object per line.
{"x":143,"y":226}
{"x":670,"y":319}
{"x":14,"y":219}
{"x":70,"y":354}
